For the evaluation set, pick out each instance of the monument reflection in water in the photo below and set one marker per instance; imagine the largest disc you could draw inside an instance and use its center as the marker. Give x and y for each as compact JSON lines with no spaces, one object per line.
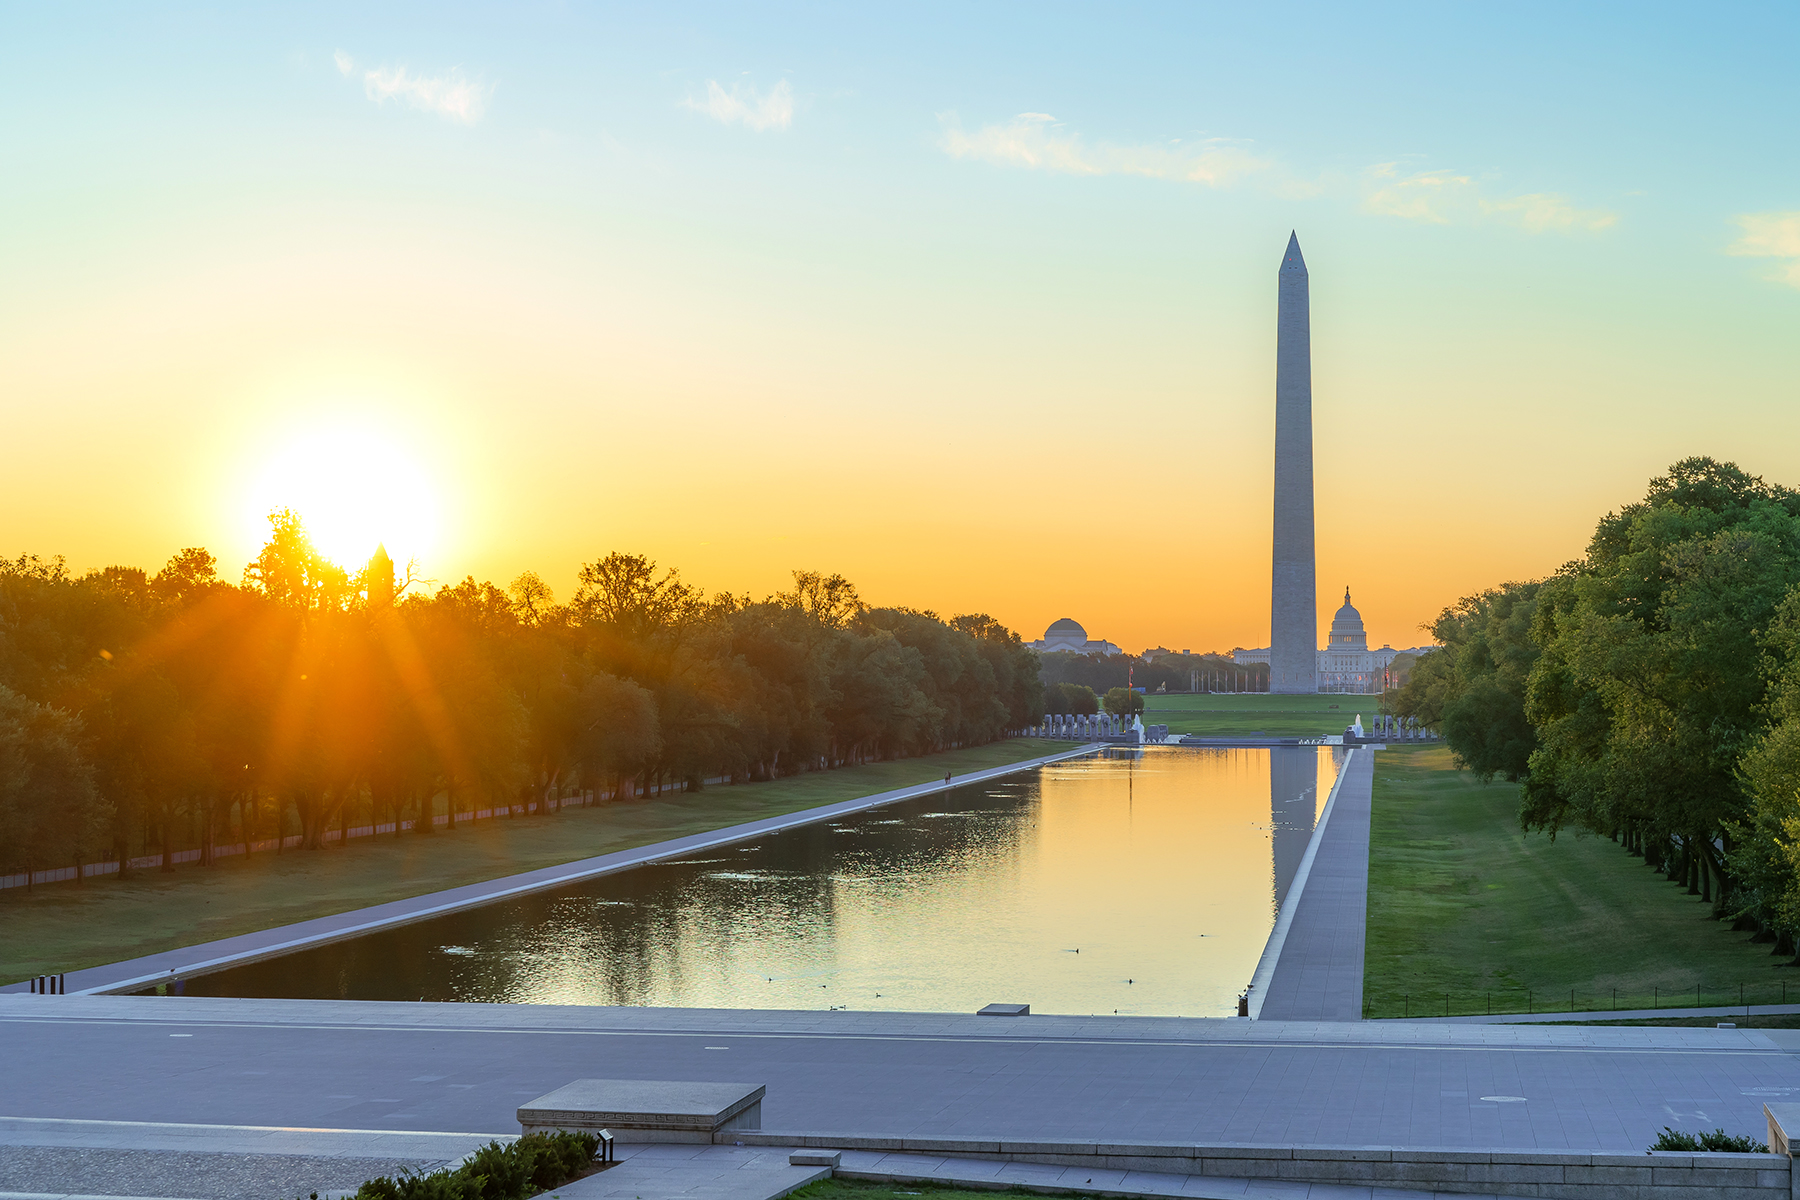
{"x":1141,"y":882}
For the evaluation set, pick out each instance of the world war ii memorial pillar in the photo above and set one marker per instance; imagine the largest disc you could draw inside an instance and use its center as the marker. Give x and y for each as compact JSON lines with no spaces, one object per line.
{"x":1293,"y":610}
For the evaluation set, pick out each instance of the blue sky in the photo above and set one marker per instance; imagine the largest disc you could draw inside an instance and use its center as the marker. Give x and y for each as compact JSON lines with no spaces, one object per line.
{"x":925,"y":295}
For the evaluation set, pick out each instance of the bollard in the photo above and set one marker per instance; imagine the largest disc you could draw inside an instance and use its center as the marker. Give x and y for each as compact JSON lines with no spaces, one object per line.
{"x":1244,"y":1005}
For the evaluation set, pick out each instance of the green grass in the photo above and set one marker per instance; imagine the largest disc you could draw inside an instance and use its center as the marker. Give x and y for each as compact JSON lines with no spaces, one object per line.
{"x":864,"y":1189}
{"x":68,"y":926}
{"x":1244,"y":713}
{"x":1757,"y":1021}
{"x":1464,"y":905}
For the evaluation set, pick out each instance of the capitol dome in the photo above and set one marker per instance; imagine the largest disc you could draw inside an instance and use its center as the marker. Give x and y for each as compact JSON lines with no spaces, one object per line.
{"x":1068,"y":636}
{"x":1347,"y":631}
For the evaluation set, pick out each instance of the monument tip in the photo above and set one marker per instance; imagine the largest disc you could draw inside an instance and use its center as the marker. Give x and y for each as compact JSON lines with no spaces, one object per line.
{"x":1292,"y":260}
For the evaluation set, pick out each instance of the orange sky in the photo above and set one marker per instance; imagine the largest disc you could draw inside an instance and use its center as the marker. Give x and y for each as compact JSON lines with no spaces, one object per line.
{"x":976,"y":328}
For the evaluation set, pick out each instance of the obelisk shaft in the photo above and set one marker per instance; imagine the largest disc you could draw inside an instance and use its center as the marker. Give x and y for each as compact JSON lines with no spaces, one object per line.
{"x":1293,"y":611}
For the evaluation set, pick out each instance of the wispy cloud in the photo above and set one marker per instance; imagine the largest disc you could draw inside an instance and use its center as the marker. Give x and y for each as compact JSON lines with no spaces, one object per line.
{"x":1450,"y":197}
{"x":451,"y":94}
{"x":1771,"y":235}
{"x":743,"y":105}
{"x":1038,"y":141}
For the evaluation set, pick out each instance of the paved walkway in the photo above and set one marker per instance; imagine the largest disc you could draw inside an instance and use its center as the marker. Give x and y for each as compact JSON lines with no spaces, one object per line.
{"x":375,"y":1066}
{"x":136,"y":973}
{"x":1313,"y":967}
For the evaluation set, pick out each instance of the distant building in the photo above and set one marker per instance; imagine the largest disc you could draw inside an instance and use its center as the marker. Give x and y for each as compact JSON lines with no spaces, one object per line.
{"x":1069,"y":636}
{"x":1346,"y":664}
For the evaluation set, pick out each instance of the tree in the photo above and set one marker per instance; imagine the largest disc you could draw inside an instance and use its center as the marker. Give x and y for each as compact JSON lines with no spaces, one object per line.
{"x":1123,"y":702}
{"x":618,"y":731}
{"x":50,"y":811}
{"x":1070,"y":699}
{"x":1472,"y":690}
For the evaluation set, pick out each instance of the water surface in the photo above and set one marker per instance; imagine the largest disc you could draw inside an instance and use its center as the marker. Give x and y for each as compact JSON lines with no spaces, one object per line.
{"x":1141,"y":882}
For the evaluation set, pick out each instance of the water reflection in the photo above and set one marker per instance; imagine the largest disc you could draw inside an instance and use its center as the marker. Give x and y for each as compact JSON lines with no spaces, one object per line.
{"x":1137,"y":882}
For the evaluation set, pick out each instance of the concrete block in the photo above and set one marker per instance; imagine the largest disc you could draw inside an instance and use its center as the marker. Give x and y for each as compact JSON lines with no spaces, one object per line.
{"x":1778,"y":1177}
{"x":1700,"y":1176}
{"x":1671,"y":1158}
{"x":1344,"y":1153}
{"x":1443,"y":1156}
{"x":1570,"y":1191}
{"x":1607,"y":1176}
{"x":815,"y":1158}
{"x":1623,"y":1160}
{"x":1049,"y":1160}
{"x":1146,"y":1149}
{"x":1005,"y":1010}
{"x":1707,"y":1193}
{"x":1241,"y":1168}
{"x":936,"y":1145}
{"x":646,"y":1110}
{"x":1269,"y":1152}
{"x":1411,"y":1173}
{"x":862,"y":1142}
{"x":1508,"y":1174}
{"x":1065,"y":1148}
{"x":1565,"y":1158}
{"x":1337,"y":1170}
{"x":1155,"y":1166}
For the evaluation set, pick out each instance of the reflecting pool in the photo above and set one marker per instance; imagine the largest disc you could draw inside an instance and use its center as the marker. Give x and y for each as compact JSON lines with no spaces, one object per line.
{"x":1132,"y":881}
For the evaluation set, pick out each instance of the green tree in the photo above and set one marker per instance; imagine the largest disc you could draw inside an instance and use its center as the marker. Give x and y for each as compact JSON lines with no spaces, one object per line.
{"x":1472,"y":689}
{"x":1123,"y":702}
{"x":50,"y":811}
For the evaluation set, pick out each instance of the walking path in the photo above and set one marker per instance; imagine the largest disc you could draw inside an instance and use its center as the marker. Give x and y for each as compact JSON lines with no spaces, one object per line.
{"x":136,"y":973}
{"x":1312,"y":969}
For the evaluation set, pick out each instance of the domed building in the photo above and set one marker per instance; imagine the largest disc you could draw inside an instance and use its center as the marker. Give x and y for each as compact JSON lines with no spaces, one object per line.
{"x":1346,"y":664}
{"x":1068,"y":636}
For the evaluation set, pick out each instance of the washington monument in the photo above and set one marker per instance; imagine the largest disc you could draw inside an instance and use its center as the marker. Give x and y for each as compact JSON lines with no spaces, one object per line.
{"x":1293,"y":609}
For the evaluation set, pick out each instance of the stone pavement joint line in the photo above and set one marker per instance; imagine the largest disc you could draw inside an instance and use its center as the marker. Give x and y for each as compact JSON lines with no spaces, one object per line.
{"x":136,"y":973}
{"x":1317,"y":973}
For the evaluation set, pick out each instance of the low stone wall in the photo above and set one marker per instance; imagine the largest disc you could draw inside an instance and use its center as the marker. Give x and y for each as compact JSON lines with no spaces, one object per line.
{"x":1553,"y":1175}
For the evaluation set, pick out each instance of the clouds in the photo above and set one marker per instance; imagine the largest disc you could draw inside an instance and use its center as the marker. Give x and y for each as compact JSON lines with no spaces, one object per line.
{"x":1037,"y":141}
{"x":742,"y":105}
{"x":1452,"y":198}
{"x":1771,"y":235}
{"x":450,"y":95}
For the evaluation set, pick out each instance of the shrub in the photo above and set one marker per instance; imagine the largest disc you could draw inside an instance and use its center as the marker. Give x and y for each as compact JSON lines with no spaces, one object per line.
{"x":495,"y":1172}
{"x":1718,"y":1141}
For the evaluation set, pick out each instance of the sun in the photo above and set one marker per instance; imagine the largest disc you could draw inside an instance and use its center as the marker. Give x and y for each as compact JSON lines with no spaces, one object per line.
{"x":355,"y":486}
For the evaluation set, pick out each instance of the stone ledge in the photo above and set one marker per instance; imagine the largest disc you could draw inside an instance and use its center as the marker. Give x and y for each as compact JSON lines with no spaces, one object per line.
{"x":646,"y":1110}
{"x":1537,"y":1174}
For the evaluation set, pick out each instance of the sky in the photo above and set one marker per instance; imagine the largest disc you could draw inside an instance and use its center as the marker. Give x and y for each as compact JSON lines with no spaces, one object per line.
{"x":974,"y":304}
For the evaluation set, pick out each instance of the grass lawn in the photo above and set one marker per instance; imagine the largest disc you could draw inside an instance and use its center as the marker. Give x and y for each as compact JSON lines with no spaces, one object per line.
{"x":1465,"y":906}
{"x":1258,"y":713}
{"x":864,"y":1189}
{"x":67,"y":926}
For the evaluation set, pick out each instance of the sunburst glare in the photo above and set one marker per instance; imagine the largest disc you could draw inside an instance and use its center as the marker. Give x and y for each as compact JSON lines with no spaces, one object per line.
{"x":355,"y":487}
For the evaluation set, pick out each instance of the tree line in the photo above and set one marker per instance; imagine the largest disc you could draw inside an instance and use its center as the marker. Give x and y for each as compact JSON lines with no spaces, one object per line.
{"x":145,"y":713}
{"x":1650,"y":690}
{"x":1100,"y":673}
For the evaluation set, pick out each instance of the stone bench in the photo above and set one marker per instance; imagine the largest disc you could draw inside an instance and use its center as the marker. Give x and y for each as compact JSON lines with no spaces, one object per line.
{"x":646,"y":1110}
